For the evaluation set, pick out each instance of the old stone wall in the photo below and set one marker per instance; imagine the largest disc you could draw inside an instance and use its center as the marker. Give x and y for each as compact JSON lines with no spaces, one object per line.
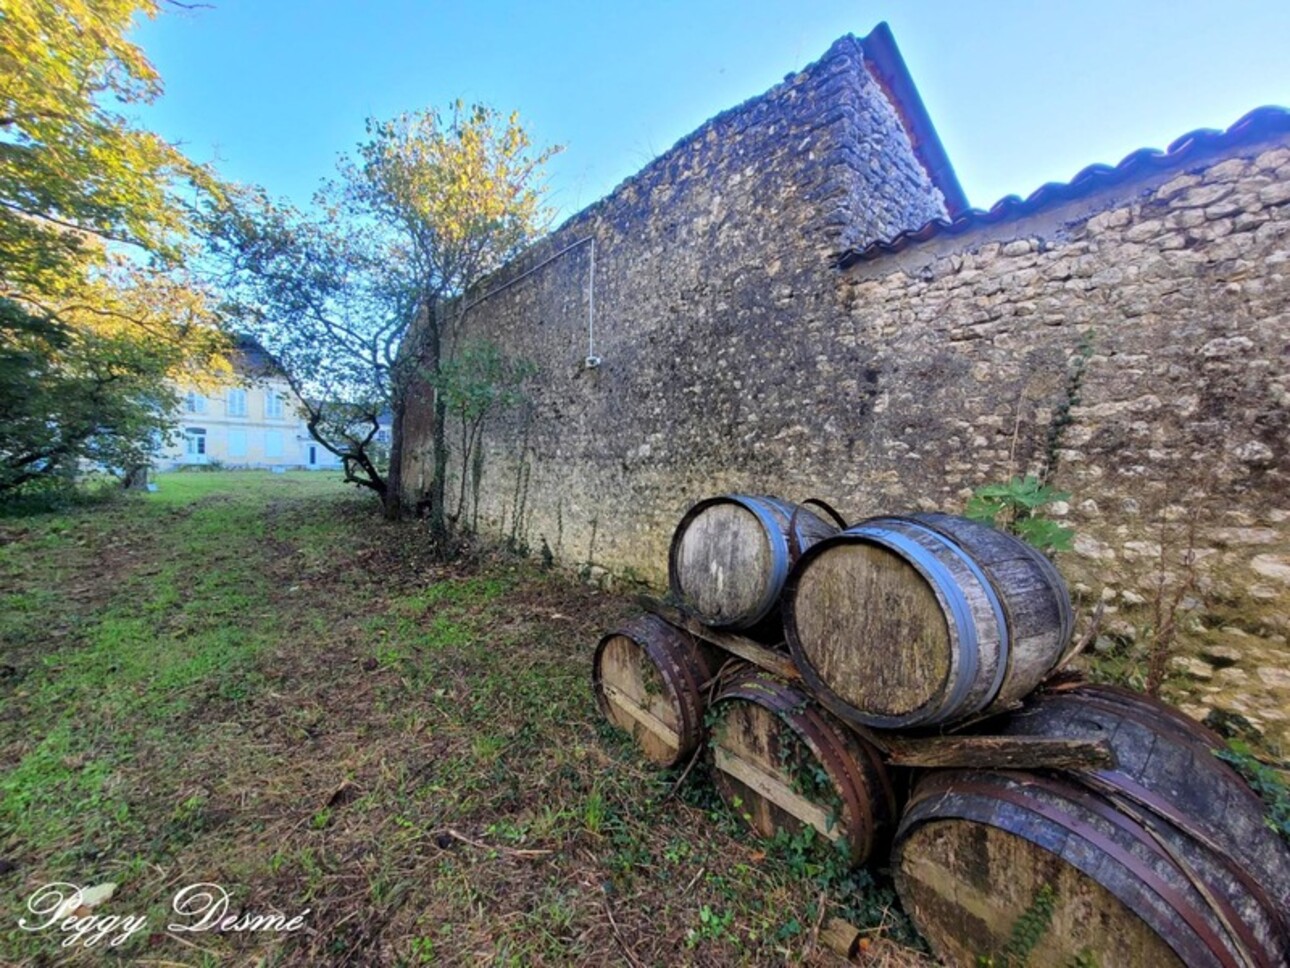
{"x":1174,"y":294}
{"x":1134,"y":342}
{"x":705,"y":264}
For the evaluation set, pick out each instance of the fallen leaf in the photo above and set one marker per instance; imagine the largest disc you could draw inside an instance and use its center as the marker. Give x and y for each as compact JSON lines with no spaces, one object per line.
{"x":92,"y":897}
{"x":80,"y":903}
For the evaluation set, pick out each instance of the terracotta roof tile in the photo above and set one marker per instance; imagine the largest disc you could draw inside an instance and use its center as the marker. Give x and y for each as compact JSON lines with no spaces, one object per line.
{"x":1258,"y":125}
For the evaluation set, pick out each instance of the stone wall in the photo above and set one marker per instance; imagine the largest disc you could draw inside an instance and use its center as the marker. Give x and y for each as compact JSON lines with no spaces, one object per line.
{"x":1134,"y":342}
{"x":1174,"y":291}
{"x":705,"y":264}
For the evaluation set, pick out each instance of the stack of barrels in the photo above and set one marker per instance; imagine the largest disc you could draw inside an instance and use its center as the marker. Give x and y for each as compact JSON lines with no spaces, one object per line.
{"x":925,"y":623}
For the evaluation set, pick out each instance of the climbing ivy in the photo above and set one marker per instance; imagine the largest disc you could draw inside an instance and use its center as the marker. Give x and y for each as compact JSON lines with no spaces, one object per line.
{"x":1028,"y":930}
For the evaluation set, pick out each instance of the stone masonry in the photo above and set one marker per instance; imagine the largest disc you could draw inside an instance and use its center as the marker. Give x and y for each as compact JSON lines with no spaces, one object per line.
{"x":1133,"y":341}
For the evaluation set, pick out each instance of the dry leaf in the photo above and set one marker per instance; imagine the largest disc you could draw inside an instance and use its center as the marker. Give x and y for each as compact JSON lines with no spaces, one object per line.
{"x":80,"y":903}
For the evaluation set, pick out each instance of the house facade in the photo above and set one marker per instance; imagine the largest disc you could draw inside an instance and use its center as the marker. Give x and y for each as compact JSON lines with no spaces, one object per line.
{"x":256,"y":423}
{"x":253,"y":425}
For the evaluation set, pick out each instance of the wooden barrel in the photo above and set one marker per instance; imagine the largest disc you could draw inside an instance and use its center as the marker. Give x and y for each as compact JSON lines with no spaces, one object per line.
{"x":1166,"y":770}
{"x":924,"y":620}
{"x":730,"y":556}
{"x":1162,"y":860}
{"x":648,"y":678}
{"x":1158,"y":715}
{"x":783,"y":764}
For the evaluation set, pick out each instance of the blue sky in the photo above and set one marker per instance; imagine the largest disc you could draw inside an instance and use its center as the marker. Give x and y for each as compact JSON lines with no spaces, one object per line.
{"x":1020,"y":92}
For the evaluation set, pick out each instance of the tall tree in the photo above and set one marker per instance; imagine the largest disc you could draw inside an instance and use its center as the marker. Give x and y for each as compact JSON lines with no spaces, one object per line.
{"x":95,"y":225}
{"x":329,"y":303}
{"x":428,"y":205}
{"x":459,"y":194}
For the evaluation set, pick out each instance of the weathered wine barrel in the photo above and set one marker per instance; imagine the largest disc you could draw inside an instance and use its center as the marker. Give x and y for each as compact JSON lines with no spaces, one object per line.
{"x":648,"y":678}
{"x":1166,"y":770}
{"x":783,"y":764}
{"x":1162,"y":860}
{"x":730,"y":556}
{"x":1158,"y":715}
{"x":924,"y":620}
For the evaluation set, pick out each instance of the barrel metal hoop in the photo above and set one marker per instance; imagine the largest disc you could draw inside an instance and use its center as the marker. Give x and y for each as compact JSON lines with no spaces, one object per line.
{"x":828,"y":509}
{"x":991,"y":595}
{"x":981,"y":786}
{"x":779,"y":551}
{"x":943,"y":582}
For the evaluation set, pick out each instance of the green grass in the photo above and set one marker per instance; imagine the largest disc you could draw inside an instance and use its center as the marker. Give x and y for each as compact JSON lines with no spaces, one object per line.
{"x":251,"y":679}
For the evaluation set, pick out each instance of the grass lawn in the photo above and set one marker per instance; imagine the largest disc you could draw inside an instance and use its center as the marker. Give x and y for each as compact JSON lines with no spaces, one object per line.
{"x":252,"y":681}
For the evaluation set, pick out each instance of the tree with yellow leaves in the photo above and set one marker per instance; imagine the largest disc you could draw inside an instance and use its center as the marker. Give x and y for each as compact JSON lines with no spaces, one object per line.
{"x":427,"y":206}
{"x":96,"y":313}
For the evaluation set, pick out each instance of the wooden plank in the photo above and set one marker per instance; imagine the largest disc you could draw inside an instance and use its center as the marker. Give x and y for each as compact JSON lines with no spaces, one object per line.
{"x":1001,"y":752}
{"x":776,"y":791}
{"x":776,"y":663}
{"x":643,"y":716}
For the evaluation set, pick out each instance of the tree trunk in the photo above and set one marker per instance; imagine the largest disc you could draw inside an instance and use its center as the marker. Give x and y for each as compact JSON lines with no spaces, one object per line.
{"x":393,"y":497}
{"x":136,"y":478}
{"x":439,"y":451}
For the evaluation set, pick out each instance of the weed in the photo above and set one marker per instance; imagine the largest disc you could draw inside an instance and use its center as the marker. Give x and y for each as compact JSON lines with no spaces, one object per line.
{"x":1017,"y":506}
{"x":1267,"y":781}
{"x":713,"y":926}
{"x":423,"y":951}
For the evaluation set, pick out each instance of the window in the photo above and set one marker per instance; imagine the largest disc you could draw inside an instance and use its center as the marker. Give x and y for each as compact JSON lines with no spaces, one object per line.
{"x":273,"y":443}
{"x":237,"y":403}
{"x":237,"y":443}
{"x":272,"y":405}
{"x":382,"y":436}
{"x":195,"y":441}
{"x":194,"y":402}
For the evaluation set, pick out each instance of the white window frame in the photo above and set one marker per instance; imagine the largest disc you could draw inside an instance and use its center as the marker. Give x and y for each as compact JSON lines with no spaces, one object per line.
{"x":236,"y":402}
{"x":194,"y":402}
{"x":195,"y":442}
{"x":272,"y":405}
